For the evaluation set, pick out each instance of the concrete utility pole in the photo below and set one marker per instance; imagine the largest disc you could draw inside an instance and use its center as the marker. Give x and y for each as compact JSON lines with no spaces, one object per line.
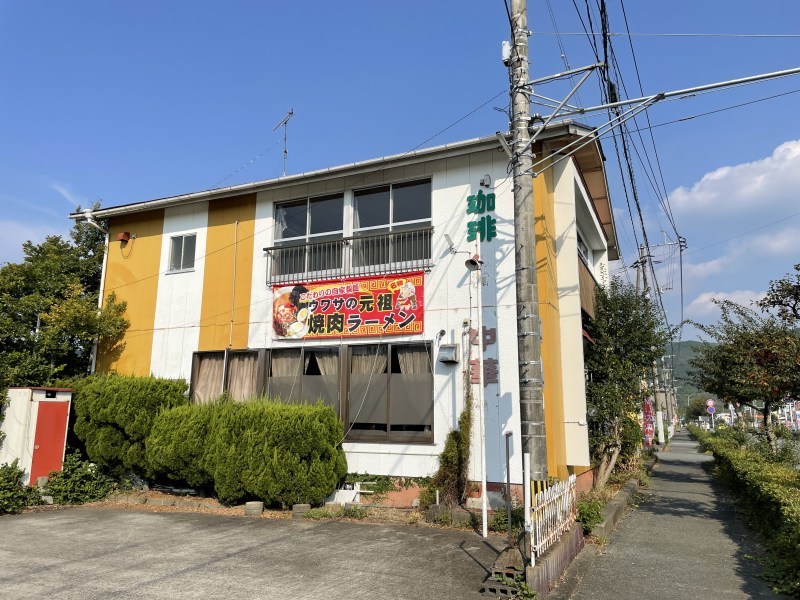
{"x":529,"y":328}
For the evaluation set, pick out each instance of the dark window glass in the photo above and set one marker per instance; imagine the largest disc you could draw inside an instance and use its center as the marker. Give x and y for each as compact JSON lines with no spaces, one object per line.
{"x":326,"y":214}
{"x":291,"y":219}
{"x":412,"y":201}
{"x":372,"y":207}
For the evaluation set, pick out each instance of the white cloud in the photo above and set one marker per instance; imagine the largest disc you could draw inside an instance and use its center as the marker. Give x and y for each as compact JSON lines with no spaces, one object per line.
{"x":702,"y":306}
{"x":75,"y":199}
{"x":707,"y":268}
{"x":781,"y":243}
{"x":770,"y":183}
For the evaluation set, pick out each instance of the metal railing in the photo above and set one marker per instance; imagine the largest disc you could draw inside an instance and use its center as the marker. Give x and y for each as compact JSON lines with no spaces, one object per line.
{"x":407,"y":250}
{"x":553,"y":512}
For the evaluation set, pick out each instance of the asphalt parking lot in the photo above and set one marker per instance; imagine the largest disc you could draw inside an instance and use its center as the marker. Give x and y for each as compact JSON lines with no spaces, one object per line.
{"x":92,"y":552}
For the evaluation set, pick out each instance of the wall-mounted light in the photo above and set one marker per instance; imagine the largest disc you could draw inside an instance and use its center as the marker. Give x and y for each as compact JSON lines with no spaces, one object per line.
{"x":486,"y":181}
{"x":123,"y":236}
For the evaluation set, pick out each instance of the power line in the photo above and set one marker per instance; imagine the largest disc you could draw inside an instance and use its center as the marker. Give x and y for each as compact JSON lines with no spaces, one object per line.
{"x":712,"y":35}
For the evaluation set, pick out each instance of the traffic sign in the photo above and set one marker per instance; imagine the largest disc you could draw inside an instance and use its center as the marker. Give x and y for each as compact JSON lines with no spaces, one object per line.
{"x":710,"y":402}
{"x":711,"y":410}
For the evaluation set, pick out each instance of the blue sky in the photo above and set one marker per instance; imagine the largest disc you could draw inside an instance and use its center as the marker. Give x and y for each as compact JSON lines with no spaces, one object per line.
{"x":123,"y":102}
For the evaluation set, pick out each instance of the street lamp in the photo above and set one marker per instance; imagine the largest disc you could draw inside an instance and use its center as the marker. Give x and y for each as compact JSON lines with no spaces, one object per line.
{"x":474,"y":265}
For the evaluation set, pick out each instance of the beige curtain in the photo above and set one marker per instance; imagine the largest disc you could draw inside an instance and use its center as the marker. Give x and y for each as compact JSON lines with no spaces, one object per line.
{"x":242,"y":371}
{"x":413,"y":359}
{"x":369,"y":359}
{"x":285,"y":363}
{"x":208,"y":384}
{"x":328,"y":361}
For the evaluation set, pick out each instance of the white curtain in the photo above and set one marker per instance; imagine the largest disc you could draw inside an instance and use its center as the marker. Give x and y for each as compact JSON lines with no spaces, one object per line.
{"x":242,"y":371}
{"x":208,"y":383}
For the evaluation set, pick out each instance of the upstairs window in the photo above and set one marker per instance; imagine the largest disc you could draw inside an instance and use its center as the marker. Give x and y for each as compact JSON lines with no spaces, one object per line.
{"x":311,"y":230}
{"x":181,"y":252}
{"x":384,"y":219}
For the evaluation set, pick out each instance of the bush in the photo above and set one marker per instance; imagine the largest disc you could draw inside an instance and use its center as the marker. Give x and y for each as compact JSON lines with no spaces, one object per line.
{"x":590,"y":512}
{"x":176,"y":445}
{"x":280,"y":453}
{"x":77,"y":482}
{"x":451,"y":476}
{"x":14,"y":496}
{"x":768,"y":493}
{"x":114,"y":415}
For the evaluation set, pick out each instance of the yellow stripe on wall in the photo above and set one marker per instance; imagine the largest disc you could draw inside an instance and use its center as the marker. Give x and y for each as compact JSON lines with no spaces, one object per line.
{"x":228,"y":273}
{"x":546,"y":236}
{"x":132,"y":274}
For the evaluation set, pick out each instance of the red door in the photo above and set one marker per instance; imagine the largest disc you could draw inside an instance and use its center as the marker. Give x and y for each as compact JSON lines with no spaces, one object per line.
{"x":49,"y":439}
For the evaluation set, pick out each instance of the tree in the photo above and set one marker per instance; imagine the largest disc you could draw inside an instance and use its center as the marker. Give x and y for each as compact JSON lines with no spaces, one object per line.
{"x":629,"y":336}
{"x":784,"y":295}
{"x":755,"y":361}
{"x":49,"y":320}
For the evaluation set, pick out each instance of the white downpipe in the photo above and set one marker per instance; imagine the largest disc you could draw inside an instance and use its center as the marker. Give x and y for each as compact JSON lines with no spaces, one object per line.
{"x":100,"y":298}
{"x":526,"y":496}
{"x":482,"y":408}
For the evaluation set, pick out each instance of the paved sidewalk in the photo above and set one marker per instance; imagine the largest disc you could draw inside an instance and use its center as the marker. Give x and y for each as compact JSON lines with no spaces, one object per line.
{"x":683,"y":541}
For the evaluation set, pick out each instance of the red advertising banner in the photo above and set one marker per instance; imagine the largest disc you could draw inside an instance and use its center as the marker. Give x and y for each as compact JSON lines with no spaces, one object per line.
{"x":355,"y":307}
{"x":649,"y":424}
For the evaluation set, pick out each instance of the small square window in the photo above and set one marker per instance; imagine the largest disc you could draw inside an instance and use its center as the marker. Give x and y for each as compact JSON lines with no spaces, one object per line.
{"x":181,"y":253}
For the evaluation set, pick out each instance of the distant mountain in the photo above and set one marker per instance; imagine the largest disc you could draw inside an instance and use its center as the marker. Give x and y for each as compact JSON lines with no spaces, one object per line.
{"x":682,"y":353}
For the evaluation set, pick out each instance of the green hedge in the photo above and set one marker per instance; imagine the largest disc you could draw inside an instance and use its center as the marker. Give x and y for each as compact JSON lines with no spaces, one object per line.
{"x":770,"y":496}
{"x":77,"y":482}
{"x":280,"y":453}
{"x":114,"y":415}
{"x":14,"y":496}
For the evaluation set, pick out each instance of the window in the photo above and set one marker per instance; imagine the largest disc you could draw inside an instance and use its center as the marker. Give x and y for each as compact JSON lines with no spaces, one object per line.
{"x":305,"y":375}
{"x":382,"y":219}
{"x":308,"y":234}
{"x":235,"y":372}
{"x":181,"y":252}
{"x":583,"y":250}
{"x":390,"y":396}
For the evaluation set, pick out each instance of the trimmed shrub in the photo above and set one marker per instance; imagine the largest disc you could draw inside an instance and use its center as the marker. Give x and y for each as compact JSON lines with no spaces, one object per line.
{"x":177,"y":442}
{"x":280,"y":453}
{"x":769,"y":494}
{"x":114,"y":415}
{"x":14,"y":496}
{"x":77,"y":482}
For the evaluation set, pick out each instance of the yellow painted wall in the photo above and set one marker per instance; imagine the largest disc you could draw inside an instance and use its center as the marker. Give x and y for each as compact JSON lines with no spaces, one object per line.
{"x":219,"y":288}
{"x":132,"y":274}
{"x":546,"y":235}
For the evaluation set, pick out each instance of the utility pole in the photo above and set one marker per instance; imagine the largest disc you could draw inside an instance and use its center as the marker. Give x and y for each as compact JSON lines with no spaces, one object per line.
{"x":529,"y":329}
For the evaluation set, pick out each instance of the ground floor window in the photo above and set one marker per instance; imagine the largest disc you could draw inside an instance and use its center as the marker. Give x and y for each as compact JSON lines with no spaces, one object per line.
{"x":390,"y":395}
{"x":387,"y":388}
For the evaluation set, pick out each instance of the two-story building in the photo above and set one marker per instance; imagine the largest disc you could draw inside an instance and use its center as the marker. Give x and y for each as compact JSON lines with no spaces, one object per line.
{"x":348,"y":285}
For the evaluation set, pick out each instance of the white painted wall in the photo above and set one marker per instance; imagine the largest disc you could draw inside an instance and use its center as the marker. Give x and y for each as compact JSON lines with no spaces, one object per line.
{"x":19,"y":426}
{"x":176,"y":325}
{"x":449,"y":302}
{"x":573,"y":380}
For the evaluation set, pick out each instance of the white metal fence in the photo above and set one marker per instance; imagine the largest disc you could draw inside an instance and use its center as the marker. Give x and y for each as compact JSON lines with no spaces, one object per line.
{"x":553,"y":512}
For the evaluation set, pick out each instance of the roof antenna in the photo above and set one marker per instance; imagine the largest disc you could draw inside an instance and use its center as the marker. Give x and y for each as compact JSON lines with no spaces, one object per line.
{"x":284,"y":122}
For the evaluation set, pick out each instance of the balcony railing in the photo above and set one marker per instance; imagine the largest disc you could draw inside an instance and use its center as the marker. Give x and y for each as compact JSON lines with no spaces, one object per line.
{"x":355,"y":256}
{"x":586,"y":283}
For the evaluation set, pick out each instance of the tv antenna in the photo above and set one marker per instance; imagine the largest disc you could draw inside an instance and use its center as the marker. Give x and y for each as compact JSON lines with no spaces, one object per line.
{"x":284,"y":122}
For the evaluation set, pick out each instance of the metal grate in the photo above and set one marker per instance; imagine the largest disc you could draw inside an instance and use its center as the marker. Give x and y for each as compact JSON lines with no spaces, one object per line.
{"x":393,"y":252}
